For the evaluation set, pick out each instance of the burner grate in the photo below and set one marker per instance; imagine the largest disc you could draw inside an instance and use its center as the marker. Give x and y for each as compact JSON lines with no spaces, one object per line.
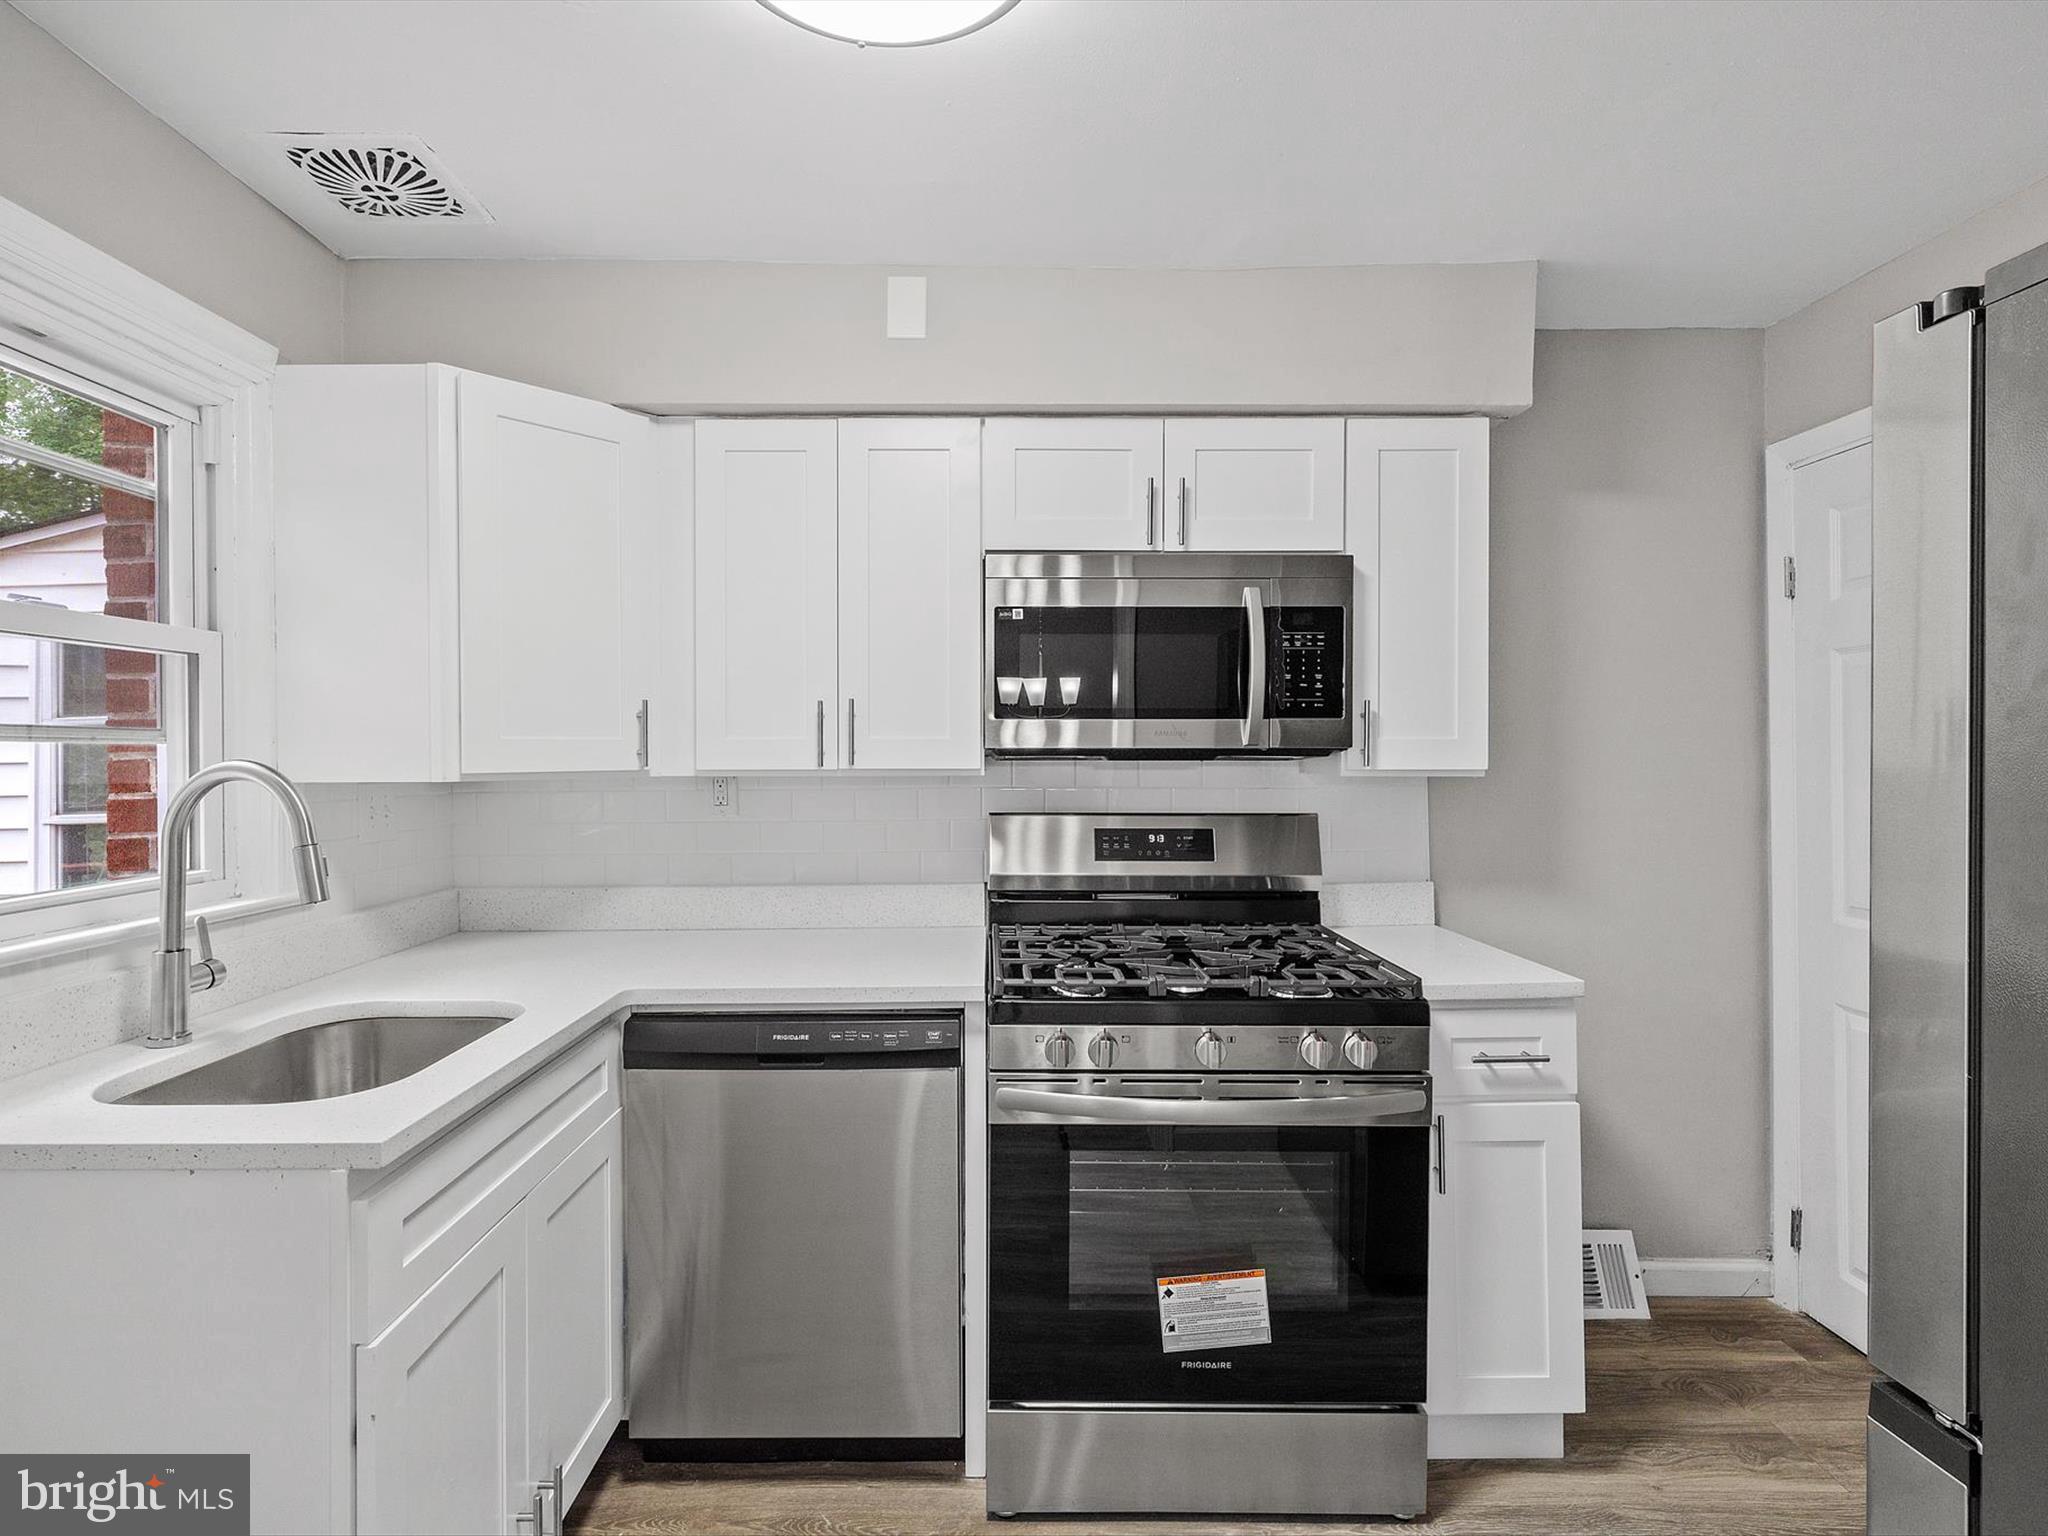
{"x":1286,"y":961}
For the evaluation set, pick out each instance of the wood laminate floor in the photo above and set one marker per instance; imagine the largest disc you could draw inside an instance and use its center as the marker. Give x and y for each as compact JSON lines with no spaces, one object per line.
{"x":1715,"y":1416}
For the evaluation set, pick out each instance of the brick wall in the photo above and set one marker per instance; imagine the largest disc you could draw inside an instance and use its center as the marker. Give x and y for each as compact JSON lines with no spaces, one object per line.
{"x":132,"y":676}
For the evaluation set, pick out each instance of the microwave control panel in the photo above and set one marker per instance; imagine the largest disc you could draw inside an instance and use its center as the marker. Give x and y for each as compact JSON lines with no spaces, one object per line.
{"x":1305,"y":656}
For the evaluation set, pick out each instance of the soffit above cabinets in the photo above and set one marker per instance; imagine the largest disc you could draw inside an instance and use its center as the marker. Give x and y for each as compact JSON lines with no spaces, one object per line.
{"x":1670,"y":165}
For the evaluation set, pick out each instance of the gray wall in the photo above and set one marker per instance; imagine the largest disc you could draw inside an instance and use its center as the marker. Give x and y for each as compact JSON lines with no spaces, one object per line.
{"x":1817,"y":361}
{"x":684,"y":336}
{"x":84,"y":156}
{"x":1619,"y":833}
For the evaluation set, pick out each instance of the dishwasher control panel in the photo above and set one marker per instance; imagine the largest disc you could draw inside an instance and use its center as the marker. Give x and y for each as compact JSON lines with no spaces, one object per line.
{"x":671,"y":1040}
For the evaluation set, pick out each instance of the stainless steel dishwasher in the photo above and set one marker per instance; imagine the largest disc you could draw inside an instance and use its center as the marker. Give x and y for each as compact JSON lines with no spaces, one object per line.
{"x":793,"y":1236}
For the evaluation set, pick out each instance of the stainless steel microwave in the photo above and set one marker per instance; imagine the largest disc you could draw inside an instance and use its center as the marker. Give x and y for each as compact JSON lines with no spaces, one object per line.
{"x":1167,"y":655}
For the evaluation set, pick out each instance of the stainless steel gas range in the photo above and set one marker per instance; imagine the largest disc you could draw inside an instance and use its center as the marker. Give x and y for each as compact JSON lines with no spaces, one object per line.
{"x":1210,"y":1151}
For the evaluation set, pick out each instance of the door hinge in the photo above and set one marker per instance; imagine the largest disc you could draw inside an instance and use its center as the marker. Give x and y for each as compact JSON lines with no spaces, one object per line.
{"x":1798,"y":1227}
{"x":1791,"y":577}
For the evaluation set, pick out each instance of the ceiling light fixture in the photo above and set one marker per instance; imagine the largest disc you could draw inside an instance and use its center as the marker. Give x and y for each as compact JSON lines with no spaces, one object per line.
{"x":890,"y":23}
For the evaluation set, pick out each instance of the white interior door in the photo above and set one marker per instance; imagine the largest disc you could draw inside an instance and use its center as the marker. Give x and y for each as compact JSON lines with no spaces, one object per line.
{"x":767,"y":595}
{"x":1831,"y":687}
{"x":910,"y":594}
{"x":556,"y":579}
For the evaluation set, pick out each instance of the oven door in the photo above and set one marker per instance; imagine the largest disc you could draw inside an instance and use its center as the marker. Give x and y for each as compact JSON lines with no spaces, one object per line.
{"x":1166,"y":655}
{"x":1296,"y":1210}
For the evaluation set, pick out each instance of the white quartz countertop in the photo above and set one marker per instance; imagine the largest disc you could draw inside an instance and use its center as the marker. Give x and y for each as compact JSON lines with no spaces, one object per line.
{"x":1454,"y":968}
{"x":560,"y":985}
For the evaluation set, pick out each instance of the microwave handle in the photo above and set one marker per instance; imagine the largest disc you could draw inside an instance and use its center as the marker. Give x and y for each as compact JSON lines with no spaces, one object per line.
{"x":1255,"y":668}
{"x":1330,"y":1109}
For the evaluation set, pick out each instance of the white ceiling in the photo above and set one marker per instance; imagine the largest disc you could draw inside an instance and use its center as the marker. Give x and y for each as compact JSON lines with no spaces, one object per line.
{"x":1677,"y":163}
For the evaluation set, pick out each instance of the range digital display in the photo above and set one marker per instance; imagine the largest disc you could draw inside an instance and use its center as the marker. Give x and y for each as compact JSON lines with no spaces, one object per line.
{"x":1177,"y":845}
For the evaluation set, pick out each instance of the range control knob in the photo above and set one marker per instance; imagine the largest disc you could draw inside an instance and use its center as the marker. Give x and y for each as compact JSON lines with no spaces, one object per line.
{"x":1316,"y":1050}
{"x":1360,"y":1050}
{"x":1059,"y":1049}
{"x":1102,"y":1049}
{"x":1209,"y":1049}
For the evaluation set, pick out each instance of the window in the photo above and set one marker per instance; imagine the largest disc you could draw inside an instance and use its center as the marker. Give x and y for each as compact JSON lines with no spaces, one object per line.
{"x":107,"y":682}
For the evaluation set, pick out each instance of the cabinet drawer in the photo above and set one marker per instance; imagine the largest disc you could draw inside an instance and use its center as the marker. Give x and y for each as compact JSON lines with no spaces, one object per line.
{"x":410,"y":1228}
{"x":1461,"y":1041}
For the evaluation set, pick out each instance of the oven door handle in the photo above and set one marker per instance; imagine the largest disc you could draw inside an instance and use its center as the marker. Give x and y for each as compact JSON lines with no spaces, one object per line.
{"x":1255,"y":668}
{"x":1330,"y":1109}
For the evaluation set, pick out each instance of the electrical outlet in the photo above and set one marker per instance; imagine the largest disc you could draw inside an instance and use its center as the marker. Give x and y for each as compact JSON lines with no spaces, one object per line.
{"x":722,"y":798}
{"x":379,"y":816}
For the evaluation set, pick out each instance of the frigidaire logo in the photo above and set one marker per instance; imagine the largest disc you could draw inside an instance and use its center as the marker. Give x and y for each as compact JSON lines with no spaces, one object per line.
{"x":200,"y":1495}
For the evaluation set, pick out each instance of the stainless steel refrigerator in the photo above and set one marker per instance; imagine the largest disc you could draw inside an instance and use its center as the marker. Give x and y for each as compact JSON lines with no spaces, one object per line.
{"x":1958,"y":1431}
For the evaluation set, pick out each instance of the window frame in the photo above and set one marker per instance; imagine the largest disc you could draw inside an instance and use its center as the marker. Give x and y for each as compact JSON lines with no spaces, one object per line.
{"x":193,"y":694}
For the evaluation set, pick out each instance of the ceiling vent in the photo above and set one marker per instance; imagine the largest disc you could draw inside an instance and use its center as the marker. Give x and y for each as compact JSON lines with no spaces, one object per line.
{"x":389,"y":176}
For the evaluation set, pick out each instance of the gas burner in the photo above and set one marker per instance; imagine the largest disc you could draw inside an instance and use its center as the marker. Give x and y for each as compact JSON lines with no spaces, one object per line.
{"x":1085,"y":980}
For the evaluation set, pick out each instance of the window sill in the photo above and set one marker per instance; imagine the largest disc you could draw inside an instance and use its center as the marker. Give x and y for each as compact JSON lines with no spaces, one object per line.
{"x":68,"y":942}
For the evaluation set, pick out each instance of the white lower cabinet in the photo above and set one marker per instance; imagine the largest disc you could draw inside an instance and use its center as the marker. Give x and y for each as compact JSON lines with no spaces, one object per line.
{"x":1507,"y":1351}
{"x":484,"y":1407}
{"x":441,"y":1402}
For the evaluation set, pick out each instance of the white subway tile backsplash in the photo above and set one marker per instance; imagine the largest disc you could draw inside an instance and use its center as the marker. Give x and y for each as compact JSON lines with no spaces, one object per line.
{"x":931,"y":828}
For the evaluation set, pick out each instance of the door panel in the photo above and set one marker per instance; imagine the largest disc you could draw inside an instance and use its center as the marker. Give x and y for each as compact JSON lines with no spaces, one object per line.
{"x":1832,"y":661}
{"x":1058,"y":483}
{"x":767,"y":595}
{"x":576,"y":1254}
{"x":1416,"y":496}
{"x":1506,"y":1327}
{"x":556,"y":572}
{"x":1254,"y":483}
{"x":909,"y":594}
{"x":441,"y":1402}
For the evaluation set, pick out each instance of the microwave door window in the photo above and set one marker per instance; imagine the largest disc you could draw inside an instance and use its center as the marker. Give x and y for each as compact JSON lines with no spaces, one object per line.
{"x":1063,"y":663}
{"x":1190,"y":663}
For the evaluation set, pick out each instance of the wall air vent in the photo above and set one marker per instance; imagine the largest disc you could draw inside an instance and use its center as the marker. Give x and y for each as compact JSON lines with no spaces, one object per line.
{"x":381,"y":176}
{"x":1612,"y":1275}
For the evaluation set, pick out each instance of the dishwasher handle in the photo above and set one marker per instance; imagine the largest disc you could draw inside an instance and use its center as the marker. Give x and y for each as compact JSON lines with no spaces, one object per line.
{"x":667,"y":1041}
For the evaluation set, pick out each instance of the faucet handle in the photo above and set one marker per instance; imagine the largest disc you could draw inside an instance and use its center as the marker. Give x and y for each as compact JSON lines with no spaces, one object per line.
{"x":206,"y":971}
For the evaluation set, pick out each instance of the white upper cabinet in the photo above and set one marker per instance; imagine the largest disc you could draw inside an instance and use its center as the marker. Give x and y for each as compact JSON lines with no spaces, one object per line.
{"x":910,"y":594}
{"x":557,"y":546}
{"x":767,"y":595}
{"x":1055,"y":482}
{"x":1416,"y":527}
{"x":1260,"y":482}
{"x":465,"y":572}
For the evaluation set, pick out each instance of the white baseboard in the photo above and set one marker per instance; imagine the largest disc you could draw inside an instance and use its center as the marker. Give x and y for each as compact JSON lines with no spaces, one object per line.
{"x":1707,"y":1277}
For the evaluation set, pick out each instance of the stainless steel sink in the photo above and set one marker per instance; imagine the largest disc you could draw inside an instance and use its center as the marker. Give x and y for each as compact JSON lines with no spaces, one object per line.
{"x":321,"y":1061}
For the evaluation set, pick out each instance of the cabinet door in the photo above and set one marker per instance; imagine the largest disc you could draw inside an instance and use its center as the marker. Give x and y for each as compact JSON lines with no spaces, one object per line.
{"x":441,"y":1402}
{"x":910,"y":594}
{"x":1506,"y":1323}
{"x":1416,"y":526}
{"x":557,"y":560}
{"x":767,"y":595}
{"x":575,"y":1251}
{"x":1273,"y":482}
{"x":1072,"y":483}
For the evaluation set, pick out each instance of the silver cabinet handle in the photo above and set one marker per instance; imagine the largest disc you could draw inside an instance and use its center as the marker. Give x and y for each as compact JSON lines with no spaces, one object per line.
{"x":1183,"y":511}
{"x":849,"y":733}
{"x":641,"y":718}
{"x":1151,"y":511}
{"x":561,"y":1504}
{"x":1519,"y":1059}
{"x":537,"y":1517}
{"x":1443,"y":1172}
{"x":821,"y":733}
{"x":1255,"y":666}
{"x":1332,"y":1109}
{"x":1365,"y":734}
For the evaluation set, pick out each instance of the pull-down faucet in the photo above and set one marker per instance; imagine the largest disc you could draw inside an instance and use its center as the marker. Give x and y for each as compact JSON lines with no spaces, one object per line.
{"x":177,"y":974}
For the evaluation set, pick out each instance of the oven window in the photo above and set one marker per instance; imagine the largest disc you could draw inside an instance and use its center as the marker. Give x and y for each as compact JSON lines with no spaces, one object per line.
{"x":1120,"y":663}
{"x":1085,"y":1220}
